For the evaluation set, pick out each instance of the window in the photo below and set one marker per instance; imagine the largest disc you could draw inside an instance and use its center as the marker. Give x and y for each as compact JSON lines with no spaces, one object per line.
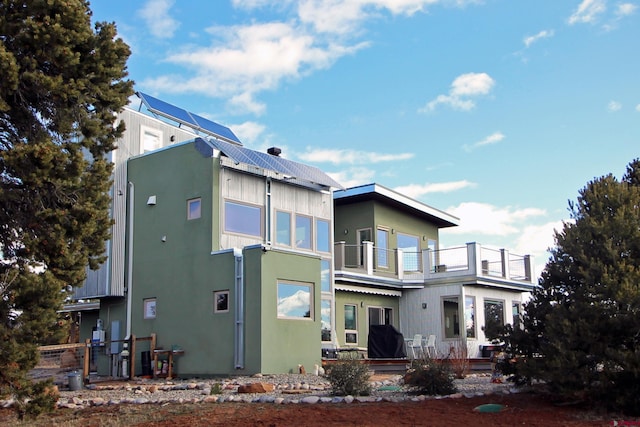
{"x":515,"y":312}
{"x":221,"y":301}
{"x":325,"y":275}
{"x":350,"y":324}
{"x":243,"y":219}
{"x":325,"y":319}
{"x":383,"y":248}
{"x":283,"y":228}
{"x":410,"y":246}
{"x":364,"y":235}
{"x":295,"y":300}
{"x":470,"y":316}
{"x":150,"y":139}
{"x":303,"y":232}
{"x":149,"y":305}
{"x":433,"y":245}
{"x":322,"y":235}
{"x":194,"y":208}
{"x":451,"y":313}
{"x":380,"y":316}
{"x":493,"y":317}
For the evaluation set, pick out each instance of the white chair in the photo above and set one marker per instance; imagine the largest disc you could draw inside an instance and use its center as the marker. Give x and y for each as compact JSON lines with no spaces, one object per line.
{"x":430,"y":346}
{"x":415,"y":345}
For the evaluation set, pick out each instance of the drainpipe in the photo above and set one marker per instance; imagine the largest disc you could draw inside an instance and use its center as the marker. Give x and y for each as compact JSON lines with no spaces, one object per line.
{"x":239,"y":324}
{"x":130,"y":260}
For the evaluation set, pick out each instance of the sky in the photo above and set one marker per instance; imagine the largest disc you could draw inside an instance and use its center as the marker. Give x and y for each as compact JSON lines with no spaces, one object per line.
{"x":495,"y":111}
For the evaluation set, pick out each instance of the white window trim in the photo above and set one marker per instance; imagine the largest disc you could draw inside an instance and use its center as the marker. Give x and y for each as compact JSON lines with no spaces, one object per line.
{"x":150,"y":131}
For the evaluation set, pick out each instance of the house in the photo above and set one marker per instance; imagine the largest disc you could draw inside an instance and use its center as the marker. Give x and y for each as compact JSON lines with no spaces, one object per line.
{"x":390,"y":269}
{"x":252,"y":263}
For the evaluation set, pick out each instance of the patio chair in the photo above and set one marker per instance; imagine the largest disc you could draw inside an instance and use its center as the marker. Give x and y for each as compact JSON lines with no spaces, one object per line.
{"x":430,"y":346}
{"x":415,"y":345}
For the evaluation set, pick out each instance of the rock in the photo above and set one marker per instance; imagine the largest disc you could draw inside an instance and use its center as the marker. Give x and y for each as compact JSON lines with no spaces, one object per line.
{"x":310,"y":399}
{"x":348,"y":399}
{"x":256,"y":388}
{"x":210,"y":399}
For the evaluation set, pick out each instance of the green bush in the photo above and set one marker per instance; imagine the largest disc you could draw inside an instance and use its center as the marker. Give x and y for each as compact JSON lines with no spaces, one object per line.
{"x":216,"y":388}
{"x":349,"y":377}
{"x":430,"y":377}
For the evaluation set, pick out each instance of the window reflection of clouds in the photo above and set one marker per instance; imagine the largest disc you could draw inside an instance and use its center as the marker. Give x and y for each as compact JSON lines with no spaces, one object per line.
{"x":294,"y":300}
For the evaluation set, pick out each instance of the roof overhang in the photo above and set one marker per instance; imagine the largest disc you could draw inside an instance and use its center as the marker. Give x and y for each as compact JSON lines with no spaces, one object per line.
{"x":393,"y":198}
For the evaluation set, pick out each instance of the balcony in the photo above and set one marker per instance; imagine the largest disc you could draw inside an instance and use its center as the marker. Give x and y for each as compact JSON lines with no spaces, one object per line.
{"x":399,"y":268}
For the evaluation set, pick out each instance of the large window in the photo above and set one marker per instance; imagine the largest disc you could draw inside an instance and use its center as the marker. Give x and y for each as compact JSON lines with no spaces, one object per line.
{"x":380,"y":316}
{"x":325,"y":319}
{"x":283,"y":228}
{"x":322,"y":235}
{"x":493,"y":316}
{"x":410,"y":246}
{"x":470,"y":316}
{"x":350,"y":324}
{"x":303,"y":232}
{"x":383,"y":248}
{"x":243,"y":219}
{"x":451,"y":317}
{"x":295,"y":300}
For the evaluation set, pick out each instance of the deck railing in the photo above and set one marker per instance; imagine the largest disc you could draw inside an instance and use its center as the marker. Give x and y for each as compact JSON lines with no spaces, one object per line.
{"x":470,"y":259}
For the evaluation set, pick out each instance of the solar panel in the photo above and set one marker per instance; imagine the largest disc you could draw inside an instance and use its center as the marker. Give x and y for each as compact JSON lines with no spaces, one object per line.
{"x":194,"y":121}
{"x":288,"y":168}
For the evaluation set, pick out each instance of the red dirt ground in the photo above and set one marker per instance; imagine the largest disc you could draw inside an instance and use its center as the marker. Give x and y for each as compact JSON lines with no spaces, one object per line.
{"x":520,"y":409}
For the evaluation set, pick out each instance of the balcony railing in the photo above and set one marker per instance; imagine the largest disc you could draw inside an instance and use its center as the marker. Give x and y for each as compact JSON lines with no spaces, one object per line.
{"x":471,"y":259}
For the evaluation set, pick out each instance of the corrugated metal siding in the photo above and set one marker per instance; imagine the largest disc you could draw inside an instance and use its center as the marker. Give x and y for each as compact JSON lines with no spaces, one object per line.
{"x":109,"y":280}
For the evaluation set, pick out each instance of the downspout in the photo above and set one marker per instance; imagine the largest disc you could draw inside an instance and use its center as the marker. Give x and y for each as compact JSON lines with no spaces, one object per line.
{"x":130,"y":260}
{"x":239,"y":321}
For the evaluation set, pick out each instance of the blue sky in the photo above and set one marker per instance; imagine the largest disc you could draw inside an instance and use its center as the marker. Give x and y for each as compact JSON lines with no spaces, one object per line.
{"x":495,"y":111}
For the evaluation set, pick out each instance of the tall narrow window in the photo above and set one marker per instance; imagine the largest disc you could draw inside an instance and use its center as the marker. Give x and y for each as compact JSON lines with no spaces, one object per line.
{"x":493,"y":317}
{"x":241,"y":218}
{"x":470,"y":316}
{"x":322,"y":235}
{"x":382,"y":246}
{"x":325,"y":319}
{"x":433,"y":245}
{"x":325,"y":275}
{"x":303,"y":232}
{"x":451,"y":315}
{"x":364,"y":235}
{"x":515,"y":312}
{"x":194,"y":208}
{"x":283,"y":228}
{"x":410,"y":246}
{"x":350,"y":324}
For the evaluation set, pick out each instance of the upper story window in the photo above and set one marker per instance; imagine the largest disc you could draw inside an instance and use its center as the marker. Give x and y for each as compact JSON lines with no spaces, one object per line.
{"x":410,"y":246}
{"x":322,"y":235}
{"x":382,"y":244}
{"x":150,"y":139}
{"x":194,"y":208}
{"x":325,"y":275}
{"x":283,"y":228}
{"x":303,"y":232}
{"x":242,"y":218}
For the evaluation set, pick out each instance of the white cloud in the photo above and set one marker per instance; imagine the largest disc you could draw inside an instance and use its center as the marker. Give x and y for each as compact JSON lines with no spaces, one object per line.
{"x":245,"y":60}
{"x":638,"y":108}
{"x":342,"y":156}
{"x":486,"y":219}
{"x":625,"y":9}
{"x":544,"y":34}
{"x":463,"y":87}
{"x":294,"y":305}
{"x":353,"y":177}
{"x":614,"y":106}
{"x":158,"y":18}
{"x":494,"y":138}
{"x":588,"y":11}
{"x":417,"y":190}
{"x":248,"y":132}
{"x":536,"y":240}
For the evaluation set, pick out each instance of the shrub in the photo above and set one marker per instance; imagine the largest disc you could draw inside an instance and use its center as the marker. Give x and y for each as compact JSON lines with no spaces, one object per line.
{"x":427,"y":376}
{"x":216,"y":388}
{"x":459,"y":359}
{"x":349,"y":377}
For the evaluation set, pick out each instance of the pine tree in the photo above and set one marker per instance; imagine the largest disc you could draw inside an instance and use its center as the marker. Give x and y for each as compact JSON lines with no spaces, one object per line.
{"x":63,"y":80}
{"x":581,"y":330}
